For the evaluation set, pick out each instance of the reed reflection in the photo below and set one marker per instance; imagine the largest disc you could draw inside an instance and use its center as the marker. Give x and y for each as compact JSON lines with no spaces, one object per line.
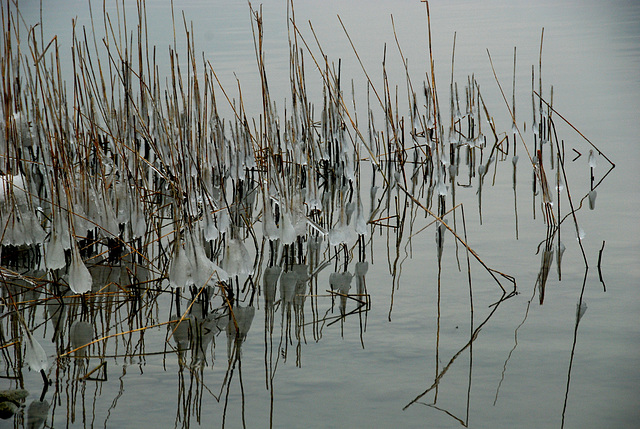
{"x":141,"y":209}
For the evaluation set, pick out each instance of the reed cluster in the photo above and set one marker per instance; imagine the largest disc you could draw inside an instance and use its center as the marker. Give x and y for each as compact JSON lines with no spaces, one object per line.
{"x":121,"y":185}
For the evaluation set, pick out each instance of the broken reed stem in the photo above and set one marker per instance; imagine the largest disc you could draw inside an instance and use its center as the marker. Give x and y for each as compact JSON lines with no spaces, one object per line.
{"x":434,"y":97}
{"x":117,"y":334}
{"x":573,"y":209}
{"x":87,"y":375}
{"x":537,"y":167}
{"x":491,"y":271}
{"x":13,"y":343}
{"x":599,"y":267}
{"x":445,"y":369}
{"x":576,"y":130}
{"x":511,"y":112}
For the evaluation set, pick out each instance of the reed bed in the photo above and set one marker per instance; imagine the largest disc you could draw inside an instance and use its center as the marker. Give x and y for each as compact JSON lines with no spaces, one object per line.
{"x":129,"y":204}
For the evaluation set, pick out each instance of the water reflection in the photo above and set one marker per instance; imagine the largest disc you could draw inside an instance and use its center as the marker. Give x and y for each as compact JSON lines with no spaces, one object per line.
{"x":37,"y":414}
{"x":155,"y":226}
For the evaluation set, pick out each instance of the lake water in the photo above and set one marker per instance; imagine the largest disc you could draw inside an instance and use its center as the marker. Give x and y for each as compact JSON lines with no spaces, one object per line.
{"x":404,"y":358}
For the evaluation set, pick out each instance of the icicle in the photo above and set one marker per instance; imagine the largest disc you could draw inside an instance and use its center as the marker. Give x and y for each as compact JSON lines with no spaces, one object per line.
{"x":210,"y":231}
{"x":54,"y":249}
{"x":81,"y":334}
{"x":341,"y":234}
{"x":301,"y":284}
{"x":122,"y":200}
{"x":313,"y":203}
{"x":341,"y":283}
{"x":181,"y":333}
{"x":592,"y":199}
{"x":37,"y":413}
{"x":397,"y":178}
{"x":561,"y":249}
{"x":287,"y":231}
{"x":137,"y":222}
{"x":203,"y":270}
{"x":442,"y":186}
{"x":453,"y":170}
{"x":361,"y":223}
{"x":204,"y":332}
{"x":288,"y":282}
{"x":299,"y":223}
{"x":35,"y":355}
{"x":102,"y":209}
{"x":13,"y":188}
{"x":581,"y":308}
{"x":236,"y":258}
{"x":33,"y":232}
{"x":360,"y":271}
{"x":23,"y":127}
{"x":271,"y":277}
{"x":348,"y":171}
{"x":315,"y":242}
{"x":79,"y":277}
{"x":269,"y":227}
{"x":179,"y":271}
{"x":592,"y":159}
{"x":223,"y":220}
{"x":349,"y":209}
{"x":243,"y":317}
{"x":372,"y":193}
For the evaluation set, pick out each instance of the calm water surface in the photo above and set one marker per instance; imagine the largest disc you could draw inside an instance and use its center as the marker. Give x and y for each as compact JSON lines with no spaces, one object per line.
{"x":364,"y":370}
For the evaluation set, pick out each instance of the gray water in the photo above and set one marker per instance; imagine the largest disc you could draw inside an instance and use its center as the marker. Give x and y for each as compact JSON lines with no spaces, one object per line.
{"x":365,"y":369}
